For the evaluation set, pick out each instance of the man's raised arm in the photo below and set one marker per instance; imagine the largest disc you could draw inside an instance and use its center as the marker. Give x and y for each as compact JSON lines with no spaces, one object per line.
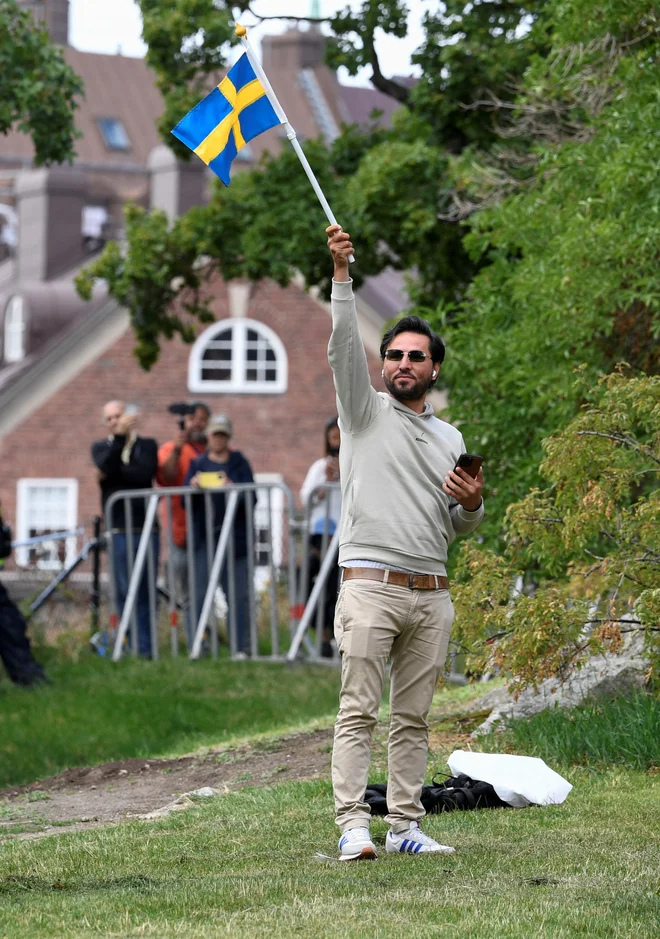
{"x":357,"y":402}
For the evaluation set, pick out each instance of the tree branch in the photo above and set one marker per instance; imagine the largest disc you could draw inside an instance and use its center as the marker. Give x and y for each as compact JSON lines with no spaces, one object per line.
{"x":621,"y":438}
{"x":387,"y":85}
{"x":295,"y":19}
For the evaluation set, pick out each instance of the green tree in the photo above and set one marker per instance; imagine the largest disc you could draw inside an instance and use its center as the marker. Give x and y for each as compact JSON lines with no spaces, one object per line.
{"x":38,"y":90}
{"x":390,"y":189}
{"x":595,"y":530}
{"x":571,"y":247}
{"x":518,"y":186}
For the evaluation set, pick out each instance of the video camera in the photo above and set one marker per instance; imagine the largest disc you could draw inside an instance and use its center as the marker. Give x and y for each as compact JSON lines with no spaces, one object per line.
{"x":181,"y":409}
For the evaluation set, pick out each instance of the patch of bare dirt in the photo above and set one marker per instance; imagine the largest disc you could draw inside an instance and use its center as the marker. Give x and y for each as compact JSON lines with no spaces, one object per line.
{"x":86,"y":797}
{"x":111,"y":792}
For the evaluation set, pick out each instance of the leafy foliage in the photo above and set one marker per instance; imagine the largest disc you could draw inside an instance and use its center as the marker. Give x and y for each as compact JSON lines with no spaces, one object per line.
{"x":595,"y":530}
{"x":518,"y":187}
{"x":390,"y":188}
{"x":473,"y":52}
{"x":572,"y":273}
{"x":165,"y":277}
{"x":37,"y":87}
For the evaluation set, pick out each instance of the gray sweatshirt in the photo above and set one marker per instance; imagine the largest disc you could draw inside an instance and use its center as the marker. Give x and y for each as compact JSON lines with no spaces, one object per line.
{"x":393,"y":463}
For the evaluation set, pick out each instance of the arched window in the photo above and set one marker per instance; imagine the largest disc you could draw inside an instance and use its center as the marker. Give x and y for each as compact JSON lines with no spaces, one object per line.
{"x":14,"y":339}
{"x":238,"y":356}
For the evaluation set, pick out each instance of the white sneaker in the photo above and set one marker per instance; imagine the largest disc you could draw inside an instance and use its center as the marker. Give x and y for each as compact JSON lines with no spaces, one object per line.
{"x":356,"y":845}
{"x":413,"y":841}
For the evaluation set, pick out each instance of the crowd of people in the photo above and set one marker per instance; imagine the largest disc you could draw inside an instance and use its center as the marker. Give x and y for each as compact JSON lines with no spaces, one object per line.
{"x":199,"y":456}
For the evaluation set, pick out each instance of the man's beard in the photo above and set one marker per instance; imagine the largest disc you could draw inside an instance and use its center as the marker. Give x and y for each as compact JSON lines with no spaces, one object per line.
{"x":411,"y":392}
{"x":197,"y":436}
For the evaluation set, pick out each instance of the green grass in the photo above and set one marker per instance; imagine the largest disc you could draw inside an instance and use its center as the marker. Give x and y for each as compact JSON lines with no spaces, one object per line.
{"x":95,"y":711}
{"x":243,"y":865}
{"x":624,"y":731}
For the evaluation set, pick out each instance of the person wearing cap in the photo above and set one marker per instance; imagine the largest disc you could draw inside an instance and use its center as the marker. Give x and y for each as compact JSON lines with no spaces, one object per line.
{"x":216,"y":469}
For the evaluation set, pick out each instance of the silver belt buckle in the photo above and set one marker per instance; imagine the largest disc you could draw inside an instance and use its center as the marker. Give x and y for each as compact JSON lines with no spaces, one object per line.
{"x":411,"y":581}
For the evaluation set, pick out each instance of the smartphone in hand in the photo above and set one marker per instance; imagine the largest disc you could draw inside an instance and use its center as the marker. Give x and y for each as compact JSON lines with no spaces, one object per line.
{"x":471,"y":463}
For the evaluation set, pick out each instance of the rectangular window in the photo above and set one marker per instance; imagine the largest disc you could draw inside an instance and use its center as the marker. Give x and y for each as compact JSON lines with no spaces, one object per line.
{"x":113,"y":133}
{"x":44,"y":506}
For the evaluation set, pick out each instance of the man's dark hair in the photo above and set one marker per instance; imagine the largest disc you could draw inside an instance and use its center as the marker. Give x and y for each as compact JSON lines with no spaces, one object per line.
{"x":415,"y":324}
{"x":201,"y":404}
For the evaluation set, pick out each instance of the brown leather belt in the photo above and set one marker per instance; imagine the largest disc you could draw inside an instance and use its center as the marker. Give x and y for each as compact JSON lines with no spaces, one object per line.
{"x":398,"y":578}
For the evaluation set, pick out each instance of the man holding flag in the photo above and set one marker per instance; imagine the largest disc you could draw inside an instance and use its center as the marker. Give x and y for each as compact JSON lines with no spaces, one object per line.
{"x":404,"y":500}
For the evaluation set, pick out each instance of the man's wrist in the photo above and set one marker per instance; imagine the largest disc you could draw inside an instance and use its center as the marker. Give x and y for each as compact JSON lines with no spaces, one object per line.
{"x":341,"y":274}
{"x":476,"y":509}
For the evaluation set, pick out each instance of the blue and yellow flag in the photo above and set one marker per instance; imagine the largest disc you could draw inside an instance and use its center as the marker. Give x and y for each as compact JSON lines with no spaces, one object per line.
{"x":226,"y":119}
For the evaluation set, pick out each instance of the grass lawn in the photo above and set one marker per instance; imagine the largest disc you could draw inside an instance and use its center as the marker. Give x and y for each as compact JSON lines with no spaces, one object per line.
{"x":96,"y":711}
{"x":243,"y":865}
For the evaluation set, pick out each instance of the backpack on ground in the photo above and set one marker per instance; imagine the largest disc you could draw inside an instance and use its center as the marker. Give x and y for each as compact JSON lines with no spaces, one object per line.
{"x":455,"y":793}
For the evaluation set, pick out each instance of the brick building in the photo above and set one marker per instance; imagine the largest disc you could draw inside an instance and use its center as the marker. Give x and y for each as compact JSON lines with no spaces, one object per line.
{"x":62,"y":359}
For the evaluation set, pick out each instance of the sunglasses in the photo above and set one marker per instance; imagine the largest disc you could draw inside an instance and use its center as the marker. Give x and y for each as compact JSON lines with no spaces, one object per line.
{"x":396,"y":355}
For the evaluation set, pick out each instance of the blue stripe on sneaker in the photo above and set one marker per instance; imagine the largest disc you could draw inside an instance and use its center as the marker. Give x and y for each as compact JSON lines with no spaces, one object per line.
{"x":342,"y":843}
{"x":418,"y":847}
{"x":404,"y":845}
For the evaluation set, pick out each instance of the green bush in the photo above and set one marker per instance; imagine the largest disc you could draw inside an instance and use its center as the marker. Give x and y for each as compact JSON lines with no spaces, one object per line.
{"x":623,"y":731}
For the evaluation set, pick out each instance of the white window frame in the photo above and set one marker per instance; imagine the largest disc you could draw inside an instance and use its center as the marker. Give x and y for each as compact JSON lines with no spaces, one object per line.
{"x":23,"y":487}
{"x":238,"y":383}
{"x":14,"y":330}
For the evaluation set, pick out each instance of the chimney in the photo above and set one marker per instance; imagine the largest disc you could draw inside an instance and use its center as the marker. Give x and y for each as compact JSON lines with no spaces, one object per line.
{"x":293,"y":50}
{"x":175,"y":187}
{"x":53,"y":14}
{"x":49,"y":204}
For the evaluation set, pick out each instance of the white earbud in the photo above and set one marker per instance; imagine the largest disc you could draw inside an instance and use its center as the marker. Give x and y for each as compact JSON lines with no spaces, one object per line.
{"x":383,"y":373}
{"x":433,"y":374}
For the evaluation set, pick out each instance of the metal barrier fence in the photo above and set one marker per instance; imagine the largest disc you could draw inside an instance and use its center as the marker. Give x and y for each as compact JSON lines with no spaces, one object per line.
{"x":265,"y":570}
{"x":314,"y":604}
{"x":251,"y":545}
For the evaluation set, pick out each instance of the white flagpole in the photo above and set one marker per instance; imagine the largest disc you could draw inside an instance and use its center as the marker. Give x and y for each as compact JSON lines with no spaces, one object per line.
{"x":290,"y":132}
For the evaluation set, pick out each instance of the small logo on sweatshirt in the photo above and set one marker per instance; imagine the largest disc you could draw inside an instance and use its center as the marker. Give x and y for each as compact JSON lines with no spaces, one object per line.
{"x":421,"y":439}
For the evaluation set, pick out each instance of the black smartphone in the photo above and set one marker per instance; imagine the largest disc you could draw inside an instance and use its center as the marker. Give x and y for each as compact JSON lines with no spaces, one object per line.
{"x":471,"y":463}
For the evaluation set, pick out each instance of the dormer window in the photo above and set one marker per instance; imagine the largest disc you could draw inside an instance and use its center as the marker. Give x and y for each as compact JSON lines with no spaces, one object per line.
{"x":14,"y":338}
{"x":113,"y":133}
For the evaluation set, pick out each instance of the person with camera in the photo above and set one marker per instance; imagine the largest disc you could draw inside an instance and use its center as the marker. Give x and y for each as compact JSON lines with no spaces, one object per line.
{"x":217,"y":469}
{"x":174,"y":459}
{"x":404,"y":500}
{"x":324,"y":514}
{"x":15,"y":650}
{"x":125,"y":461}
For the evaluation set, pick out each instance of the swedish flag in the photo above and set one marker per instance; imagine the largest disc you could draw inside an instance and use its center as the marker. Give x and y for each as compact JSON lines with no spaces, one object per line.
{"x":226,"y":119}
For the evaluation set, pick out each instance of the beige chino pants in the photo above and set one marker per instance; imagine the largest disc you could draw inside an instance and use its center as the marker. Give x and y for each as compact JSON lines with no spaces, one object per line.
{"x":375,"y":622}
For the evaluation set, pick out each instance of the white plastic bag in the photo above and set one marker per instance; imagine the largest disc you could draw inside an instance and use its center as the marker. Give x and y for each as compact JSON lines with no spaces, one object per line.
{"x":518,"y":780}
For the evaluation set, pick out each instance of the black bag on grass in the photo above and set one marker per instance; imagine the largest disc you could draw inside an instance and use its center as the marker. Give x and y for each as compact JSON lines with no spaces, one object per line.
{"x":455,"y":793}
